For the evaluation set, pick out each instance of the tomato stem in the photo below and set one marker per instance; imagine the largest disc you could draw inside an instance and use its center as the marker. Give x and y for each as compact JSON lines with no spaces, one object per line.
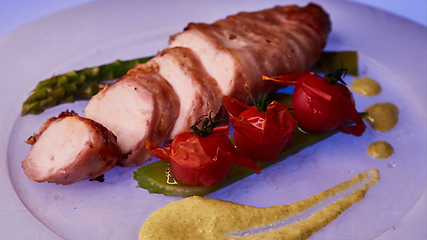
{"x":336,"y":76}
{"x":261,"y":102}
{"x":207,"y":127}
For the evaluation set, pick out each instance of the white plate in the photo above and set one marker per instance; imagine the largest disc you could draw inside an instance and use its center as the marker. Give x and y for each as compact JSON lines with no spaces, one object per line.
{"x":392,"y":50}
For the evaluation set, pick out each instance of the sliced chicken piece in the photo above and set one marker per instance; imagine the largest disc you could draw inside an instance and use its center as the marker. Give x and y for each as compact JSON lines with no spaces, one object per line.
{"x":168,"y":102}
{"x":276,"y":41}
{"x":141,"y":105}
{"x":219,"y":61}
{"x":199,"y":93}
{"x":69,"y":148}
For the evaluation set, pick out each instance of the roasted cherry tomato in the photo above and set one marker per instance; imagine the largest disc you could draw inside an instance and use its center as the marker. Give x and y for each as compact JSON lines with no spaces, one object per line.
{"x":322,"y":104}
{"x":202,"y":156}
{"x":260,"y":134}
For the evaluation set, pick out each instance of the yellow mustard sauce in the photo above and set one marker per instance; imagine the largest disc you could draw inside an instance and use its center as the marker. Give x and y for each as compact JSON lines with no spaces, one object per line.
{"x":380,"y":149}
{"x":204,"y":218}
{"x":365,"y":86}
{"x":382,"y":116}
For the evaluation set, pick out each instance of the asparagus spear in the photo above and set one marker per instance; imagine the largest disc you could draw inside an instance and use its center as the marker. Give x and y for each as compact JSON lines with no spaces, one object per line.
{"x":83,"y":84}
{"x":329,"y":60}
{"x":75,"y":85}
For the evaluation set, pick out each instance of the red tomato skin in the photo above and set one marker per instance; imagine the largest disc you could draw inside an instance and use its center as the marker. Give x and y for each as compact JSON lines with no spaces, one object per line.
{"x":256,"y":150}
{"x":262,"y":152}
{"x":254,"y":117}
{"x":315,"y":114}
{"x":257,"y":141}
{"x":211,"y":169}
{"x":215,"y":172}
{"x":312,"y":108}
{"x":199,"y":160}
{"x":320,"y":106}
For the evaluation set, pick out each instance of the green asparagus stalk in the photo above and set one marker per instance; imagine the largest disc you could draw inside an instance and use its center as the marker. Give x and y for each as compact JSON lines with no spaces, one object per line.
{"x":154,"y":177}
{"x":333,"y":60}
{"x":83,"y":84}
{"x":75,"y":85}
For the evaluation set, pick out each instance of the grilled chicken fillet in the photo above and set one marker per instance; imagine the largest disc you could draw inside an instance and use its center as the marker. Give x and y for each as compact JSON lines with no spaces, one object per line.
{"x":163,"y":97}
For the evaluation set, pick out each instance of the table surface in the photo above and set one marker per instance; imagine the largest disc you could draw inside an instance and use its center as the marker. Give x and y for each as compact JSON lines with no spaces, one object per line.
{"x":16,"y":13}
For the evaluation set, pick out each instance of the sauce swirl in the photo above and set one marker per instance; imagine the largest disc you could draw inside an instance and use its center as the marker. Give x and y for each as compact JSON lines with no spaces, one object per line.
{"x":204,"y":218}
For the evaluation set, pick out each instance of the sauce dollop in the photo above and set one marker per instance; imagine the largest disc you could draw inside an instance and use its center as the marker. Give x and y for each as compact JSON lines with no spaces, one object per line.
{"x":365,"y":86}
{"x":382,"y":116}
{"x":204,"y":218}
{"x":380,"y":149}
